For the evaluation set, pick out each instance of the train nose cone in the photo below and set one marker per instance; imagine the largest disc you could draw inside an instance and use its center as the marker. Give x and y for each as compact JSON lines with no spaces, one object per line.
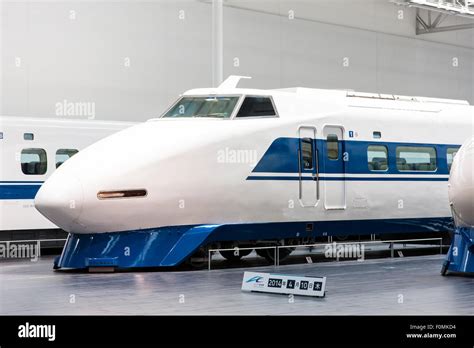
{"x":461,"y":186}
{"x":60,"y":200}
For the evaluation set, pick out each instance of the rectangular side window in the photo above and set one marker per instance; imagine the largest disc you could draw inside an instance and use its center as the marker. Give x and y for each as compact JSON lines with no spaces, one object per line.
{"x":332,"y":146}
{"x":307,"y":153}
{"x":34,"y":161}
{"x":451,"y":152}
{"x":377,"y":157}
{"x":28,"y":136}
{"x":62,"y":155}
{"x":416,"y":158}
{"x":256,"y":107}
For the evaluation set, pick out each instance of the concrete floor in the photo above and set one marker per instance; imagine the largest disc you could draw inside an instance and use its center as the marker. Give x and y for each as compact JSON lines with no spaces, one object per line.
{"x":357,"y":288}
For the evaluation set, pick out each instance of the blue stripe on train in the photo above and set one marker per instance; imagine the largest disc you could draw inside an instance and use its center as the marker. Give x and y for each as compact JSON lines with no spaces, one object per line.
{"x":170,"y":246}
{"x":8,"y":192}
{"x":375,"y":178}
{"x":21,"y":182}
{"x":282,"y":157}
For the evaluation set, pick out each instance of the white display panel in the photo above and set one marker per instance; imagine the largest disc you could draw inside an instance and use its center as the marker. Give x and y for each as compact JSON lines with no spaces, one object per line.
{"x":284,"y":284}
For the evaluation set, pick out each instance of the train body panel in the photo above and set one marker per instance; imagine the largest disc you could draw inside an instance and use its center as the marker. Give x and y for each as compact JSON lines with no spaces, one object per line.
{"x":31,"y":148}
{"x":324,"y":163}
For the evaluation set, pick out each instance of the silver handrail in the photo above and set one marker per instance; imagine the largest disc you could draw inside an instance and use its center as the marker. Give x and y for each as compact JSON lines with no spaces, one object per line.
{"x":392,"y":244}
{"x":277,"y":248}
{"x":238,"y":249}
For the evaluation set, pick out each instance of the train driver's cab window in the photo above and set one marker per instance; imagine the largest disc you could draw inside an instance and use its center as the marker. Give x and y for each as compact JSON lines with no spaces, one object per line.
{"x":34,"y":161}
{"x":205,"y":106}
{"x":332,"y":143}
{"x":62,"y":155}
{"x":451,"y":152}
{"x":256,"y":107}
{"x":307,"y":153}
{"x":377,"y":156}
{"x":413,"y":158}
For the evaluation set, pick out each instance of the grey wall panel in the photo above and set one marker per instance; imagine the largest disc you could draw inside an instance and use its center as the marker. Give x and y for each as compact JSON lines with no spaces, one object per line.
{"x":252,"y":46}
{"x":396,"y":65}
{"x":437,"y":76}
{"x":374,"y":15}
{"x":312,"y":53}
{"x":415,"y":67}
{"x":325,"y":58}
{"x":14,"y":50}
{"x":82,"y":59}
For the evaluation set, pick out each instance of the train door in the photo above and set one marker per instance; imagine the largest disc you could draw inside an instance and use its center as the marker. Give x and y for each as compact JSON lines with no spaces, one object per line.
{"x":334,"y":168}
{"x":308,"y":167}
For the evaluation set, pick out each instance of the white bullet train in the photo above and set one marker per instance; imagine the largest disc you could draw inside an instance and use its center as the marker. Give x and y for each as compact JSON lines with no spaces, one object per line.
{"x":227,"y":167}
{"x":460,"y":256}
{"x":30,"y":151}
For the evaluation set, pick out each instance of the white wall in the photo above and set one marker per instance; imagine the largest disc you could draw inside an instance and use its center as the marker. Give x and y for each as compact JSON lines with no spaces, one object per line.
{"x":83,"y":59}
{"x":384,"y":53}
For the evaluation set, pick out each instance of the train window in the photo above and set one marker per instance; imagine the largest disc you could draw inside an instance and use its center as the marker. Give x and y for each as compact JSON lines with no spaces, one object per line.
{"x":62,"y":155}
{"x":377,"y":135}
{"x":206,"y":106}
{"x":1,"y":135}
{"x":332,"y":146}
{"x":377,"y":156}
{"x":451,"y":152}
{"x":28,"y":136}
{"x":256,"y":106}
{"x":416,"y":158}
{"x":34,"y":161}
{"x":307,"y":153}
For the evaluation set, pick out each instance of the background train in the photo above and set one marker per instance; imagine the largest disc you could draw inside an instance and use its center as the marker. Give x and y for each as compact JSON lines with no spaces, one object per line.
{"x":31,"y":149}
{"x":460,"y":256}
{"x":243,"y":167}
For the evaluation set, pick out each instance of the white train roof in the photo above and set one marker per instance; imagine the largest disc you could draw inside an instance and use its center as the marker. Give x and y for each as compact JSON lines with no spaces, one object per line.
{"x":344,"y":97}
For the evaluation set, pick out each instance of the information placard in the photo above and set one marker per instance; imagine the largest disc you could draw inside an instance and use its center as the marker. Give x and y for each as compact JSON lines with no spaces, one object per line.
{"x":284,"y":284}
